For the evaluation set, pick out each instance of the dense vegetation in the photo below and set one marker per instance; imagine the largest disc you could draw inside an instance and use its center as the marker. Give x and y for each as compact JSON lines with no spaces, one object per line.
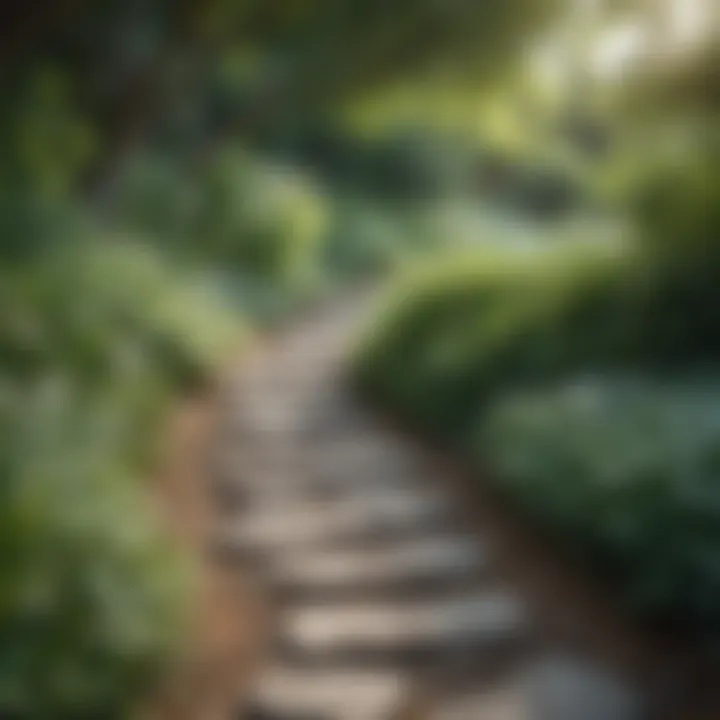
{"x":93,"y":594}
{"x":627,"y":467}
{"x":584,"y":375}
{"x":460,"y":330}
{"x":175,"y":175}
{"x":618,"y":468}
{"x":154,"y":211}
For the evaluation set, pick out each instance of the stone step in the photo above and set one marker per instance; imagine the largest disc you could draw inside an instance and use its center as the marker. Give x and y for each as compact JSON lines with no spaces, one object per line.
{"x":551,"y":688}
{"x":565,"y":688}
{"x":267,"y":416}
{"x":367,"y":454}
{"x":404,"y":566}
{"x":342,"y":451}
{"x":494,"y":704}
{"x":379,"y":515}
{"x":292,"y":694}
{"x":278,"y":484}
{"x":405,"y":632}
{"x":354,"y":463}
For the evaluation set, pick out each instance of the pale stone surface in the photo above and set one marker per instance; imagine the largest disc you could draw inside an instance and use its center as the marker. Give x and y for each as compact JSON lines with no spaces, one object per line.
{"x":333,"y":501}
{"x":494,"y":704}
{"x":553,"y":688}
{"x":564,"y":688}
{"x":483,"y":616}
{"x":436,"y":557}
{"x":341,"y":695}
{"x":337,"y":520}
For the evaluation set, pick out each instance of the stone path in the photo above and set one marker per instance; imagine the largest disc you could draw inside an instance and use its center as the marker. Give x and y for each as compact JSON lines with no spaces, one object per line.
{"x":389,"y":602}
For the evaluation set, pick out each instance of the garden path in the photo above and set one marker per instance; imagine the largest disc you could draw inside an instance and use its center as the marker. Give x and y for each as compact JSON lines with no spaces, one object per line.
{"x":391,"y":600}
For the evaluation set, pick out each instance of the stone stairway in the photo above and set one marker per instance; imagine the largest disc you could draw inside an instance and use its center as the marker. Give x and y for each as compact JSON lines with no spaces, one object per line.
{"x":389,"y":603}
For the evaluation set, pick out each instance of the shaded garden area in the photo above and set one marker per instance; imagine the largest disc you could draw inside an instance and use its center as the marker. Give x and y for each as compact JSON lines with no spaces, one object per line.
{"x":178,"y":178}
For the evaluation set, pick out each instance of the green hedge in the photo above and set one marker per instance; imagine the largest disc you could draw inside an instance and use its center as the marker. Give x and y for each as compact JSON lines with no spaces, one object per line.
{"x":481,"y":346}
{"x":627,"y":472}
{"x":465,"y":327}
{"x":456,"y":333}
{"x":95,"y":337}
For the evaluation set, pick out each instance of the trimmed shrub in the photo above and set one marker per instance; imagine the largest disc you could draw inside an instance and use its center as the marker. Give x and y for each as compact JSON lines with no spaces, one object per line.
{"x":678,"y":212}
{"x":468,"y":326}
{"x":455,"y":334}
{"x":626,"y":471}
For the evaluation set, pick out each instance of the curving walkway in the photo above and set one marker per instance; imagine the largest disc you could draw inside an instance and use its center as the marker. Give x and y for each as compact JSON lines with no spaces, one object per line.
{"x":390,"y":602}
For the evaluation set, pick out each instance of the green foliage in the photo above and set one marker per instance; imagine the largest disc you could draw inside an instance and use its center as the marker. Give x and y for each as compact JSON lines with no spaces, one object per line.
{"x":263,"y":221}
{"x":92,"y":597}
{"x":676,"y":201}
{"x":264,"y":225}
{"x":462,"y":329}
{"x":30,"y":223}
{"x":323,"y":49}
{"x":479,"y":346}
{"x":625,"y":470}
{"x":94,"y":336}
{"x":457,"y":332}
{"x":159,"y":198}
{"x":684,"y":87}
{"x":108,"y":308}
{"x":46,"y":142}
{"x":98,"y":328}
{"x":678,"y":213}
{"x":369,"y":239}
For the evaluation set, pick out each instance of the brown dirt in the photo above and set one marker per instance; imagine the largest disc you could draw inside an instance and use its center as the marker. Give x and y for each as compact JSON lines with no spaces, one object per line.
{"x":229,"y":621}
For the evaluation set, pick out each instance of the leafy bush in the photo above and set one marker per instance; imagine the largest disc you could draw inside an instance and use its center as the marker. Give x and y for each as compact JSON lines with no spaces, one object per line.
{"x":458,"y":332}
{"x":158,"y":197}
{"x":464,"y":328}
{"x":263,"y":226}
{"x":627,"y":470}
{"x":678,"y":212}
{"x":110,"y":307}
{"x":31,"y":223}
{"x":92,"y":597}
{"x":262,"y":220}
{"x":94,"y":335}
{"x":367,"y":239}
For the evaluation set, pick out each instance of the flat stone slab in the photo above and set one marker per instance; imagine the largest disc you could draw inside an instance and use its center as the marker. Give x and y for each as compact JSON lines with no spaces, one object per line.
{"x":366,"y":453}
{"x":553,"y":688}
{"x":564,"y":688}
{"x":346,"y":519}
{"x":357,"y":530}
{"x":492,"y":704}
{"x":414,"y":560}
{"x":290,"y":694}
{"x":374,"y":629}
